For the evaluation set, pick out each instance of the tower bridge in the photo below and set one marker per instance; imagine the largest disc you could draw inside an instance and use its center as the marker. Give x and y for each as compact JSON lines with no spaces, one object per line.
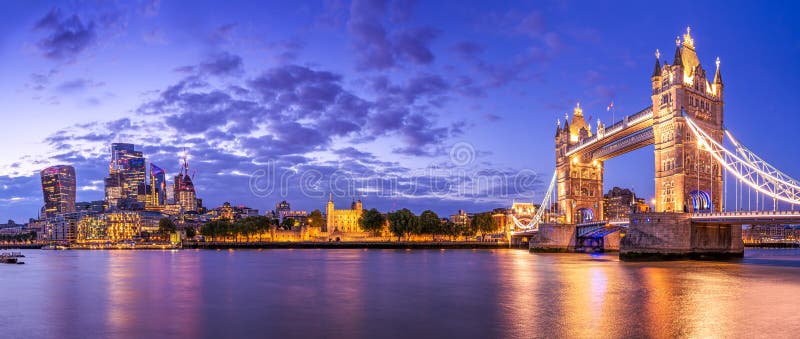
{"x":684,"y":123}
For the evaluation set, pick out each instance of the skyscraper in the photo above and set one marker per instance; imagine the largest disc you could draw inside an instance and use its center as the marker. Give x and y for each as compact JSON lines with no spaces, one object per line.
{"x":158,"y":185}
{"x":184,"y":191}
{"x":58,"y":188}
{"x":126,"y":175}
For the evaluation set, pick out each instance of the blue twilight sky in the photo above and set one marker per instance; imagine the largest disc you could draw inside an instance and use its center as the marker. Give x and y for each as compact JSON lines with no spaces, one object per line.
{"x":436,"y":104}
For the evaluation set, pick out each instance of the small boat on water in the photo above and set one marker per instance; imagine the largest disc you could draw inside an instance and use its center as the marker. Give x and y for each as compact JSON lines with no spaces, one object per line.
{"x":11,"y":258}
{"x":13,"y":254}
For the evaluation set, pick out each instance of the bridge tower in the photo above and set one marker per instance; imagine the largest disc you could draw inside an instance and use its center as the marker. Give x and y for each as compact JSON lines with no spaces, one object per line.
{"x":686,"y":178}
{"x":580,"y":179}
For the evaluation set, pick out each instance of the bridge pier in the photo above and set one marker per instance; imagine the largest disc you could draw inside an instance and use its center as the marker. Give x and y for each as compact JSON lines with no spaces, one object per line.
{"x":665,"y":236}
{"x":561,"y":238}
{"x":554,"y":238}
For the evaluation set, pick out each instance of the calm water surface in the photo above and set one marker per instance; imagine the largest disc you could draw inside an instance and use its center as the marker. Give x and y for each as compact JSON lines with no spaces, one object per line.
{"x":395,"y":293}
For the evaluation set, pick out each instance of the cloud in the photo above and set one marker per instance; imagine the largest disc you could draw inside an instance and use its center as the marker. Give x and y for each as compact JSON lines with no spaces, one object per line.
{"x":379,"y":47}
{"x":66,"y":37}
{"x":220,"y":64}
{"x":491,"y":117}
{"x":41,"y":81}
{"x":223,"y":64}
{"x":78,"y":85}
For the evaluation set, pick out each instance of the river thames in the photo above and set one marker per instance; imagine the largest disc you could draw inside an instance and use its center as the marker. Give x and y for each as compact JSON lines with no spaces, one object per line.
{"x":395,"y":294}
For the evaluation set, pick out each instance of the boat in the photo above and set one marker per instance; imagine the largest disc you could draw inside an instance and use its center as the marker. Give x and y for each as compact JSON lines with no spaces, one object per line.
{"x":12,"y":255}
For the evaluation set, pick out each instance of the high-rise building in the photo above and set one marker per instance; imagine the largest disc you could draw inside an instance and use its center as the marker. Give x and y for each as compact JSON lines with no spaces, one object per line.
{"x":158,"y":185}
{"x":126,"y":176}
{"x":185,"y":194}
{"x":58,"y":188}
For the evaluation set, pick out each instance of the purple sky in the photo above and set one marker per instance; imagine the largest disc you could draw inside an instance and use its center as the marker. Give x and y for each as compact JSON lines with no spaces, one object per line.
{"x":439,"y":104}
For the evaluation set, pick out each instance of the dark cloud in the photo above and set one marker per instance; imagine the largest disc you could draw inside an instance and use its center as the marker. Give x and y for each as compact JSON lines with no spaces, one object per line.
{"x":222,"y":33}
{"x":220,"y":64}
{"x":377,"y":46}
{"x":412,"y":44}
{"x":420,"y":137}
{"x":41,"y":81}
{"x":66,"y":37}
{"x":78,"y":85}
{"x":223,"y":64}
{"x":491,"y":117}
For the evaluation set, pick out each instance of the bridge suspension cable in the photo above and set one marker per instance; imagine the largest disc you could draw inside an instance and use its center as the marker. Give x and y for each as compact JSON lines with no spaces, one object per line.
{"x":537,"y":218}
{"x":756,"y":161}
{"x":748,"y":168}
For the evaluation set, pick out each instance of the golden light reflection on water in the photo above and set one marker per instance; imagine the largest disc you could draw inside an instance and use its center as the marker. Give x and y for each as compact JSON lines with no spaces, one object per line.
{"x":658,"y":299}
{"x":120,"y":291}
{"x":519,"y":309}
{"x":356,"y":293}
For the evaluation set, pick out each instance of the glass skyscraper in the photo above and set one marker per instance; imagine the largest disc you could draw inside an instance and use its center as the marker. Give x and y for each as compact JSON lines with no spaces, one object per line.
{"x":158,"y":185}
{"x":58,"y":188}
{"x":126,"y":175}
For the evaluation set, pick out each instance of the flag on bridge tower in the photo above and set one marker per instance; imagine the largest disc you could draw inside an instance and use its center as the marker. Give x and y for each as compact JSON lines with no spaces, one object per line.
{"x":610,"y":106}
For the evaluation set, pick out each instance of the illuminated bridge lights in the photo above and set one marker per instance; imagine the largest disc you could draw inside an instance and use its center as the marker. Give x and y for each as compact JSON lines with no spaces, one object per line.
{"x":750,"y":170}
{"x":537,"y":218}
{"x":628,"y":121}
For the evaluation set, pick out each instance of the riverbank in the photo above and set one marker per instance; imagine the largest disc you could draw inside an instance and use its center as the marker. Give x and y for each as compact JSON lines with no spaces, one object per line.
{"x":347,"y":245}
{"x":21,"y":246}
{"x":279,"y":245}
{"x":773,"y":245}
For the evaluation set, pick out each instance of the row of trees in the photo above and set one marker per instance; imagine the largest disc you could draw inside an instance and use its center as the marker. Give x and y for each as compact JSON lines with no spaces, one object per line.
{"x":251,"y":228}
{"x":402,"y":223}
{"x":405,"y":223}
{"x":242,"y":228}
{"x":17,"y":238}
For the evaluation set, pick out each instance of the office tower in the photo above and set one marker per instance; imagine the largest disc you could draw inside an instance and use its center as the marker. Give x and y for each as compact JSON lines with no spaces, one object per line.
{"x":58,"y":188}
{"x":158,"y":185}
{"x":126,"y":176}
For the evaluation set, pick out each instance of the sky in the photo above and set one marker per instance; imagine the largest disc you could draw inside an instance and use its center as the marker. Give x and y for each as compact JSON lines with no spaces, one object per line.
{"x":440,"y":105}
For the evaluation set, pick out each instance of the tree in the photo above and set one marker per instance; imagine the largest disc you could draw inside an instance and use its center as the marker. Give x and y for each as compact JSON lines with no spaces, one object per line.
{"x":403,"y":222}
{"x":451,"y":230}
{"x":190,"y":232}
{"x":166,"y":226}
{"x":483,"y":223}
{"x":429,"y":223}
{"x":216,"y":229}
{"x":288,"y":223}
{"x":372,"y":221}
{"x":315,"y":219}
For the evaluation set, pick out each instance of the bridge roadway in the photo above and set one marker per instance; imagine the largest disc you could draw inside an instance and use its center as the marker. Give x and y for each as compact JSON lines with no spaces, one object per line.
{"x":747,"y":217}
{"x":630,"y":133}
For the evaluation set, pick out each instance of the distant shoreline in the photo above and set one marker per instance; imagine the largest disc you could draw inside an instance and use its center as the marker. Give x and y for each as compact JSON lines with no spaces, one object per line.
{"x":335,"y":245}
{"x":303,"y":245}
{"x":350,"y":245}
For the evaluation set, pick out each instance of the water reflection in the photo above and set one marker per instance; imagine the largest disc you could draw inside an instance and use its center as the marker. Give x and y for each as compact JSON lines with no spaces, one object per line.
{"x":394,"y":294}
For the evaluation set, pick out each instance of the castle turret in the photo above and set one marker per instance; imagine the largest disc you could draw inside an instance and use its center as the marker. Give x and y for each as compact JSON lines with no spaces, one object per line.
{"x":329,"y":214}
{"x":578,"y":128}
{"x":656,"y":77}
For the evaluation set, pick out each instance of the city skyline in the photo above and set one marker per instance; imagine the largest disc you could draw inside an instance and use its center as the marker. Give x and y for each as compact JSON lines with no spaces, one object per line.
{"x":242,"y":95}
